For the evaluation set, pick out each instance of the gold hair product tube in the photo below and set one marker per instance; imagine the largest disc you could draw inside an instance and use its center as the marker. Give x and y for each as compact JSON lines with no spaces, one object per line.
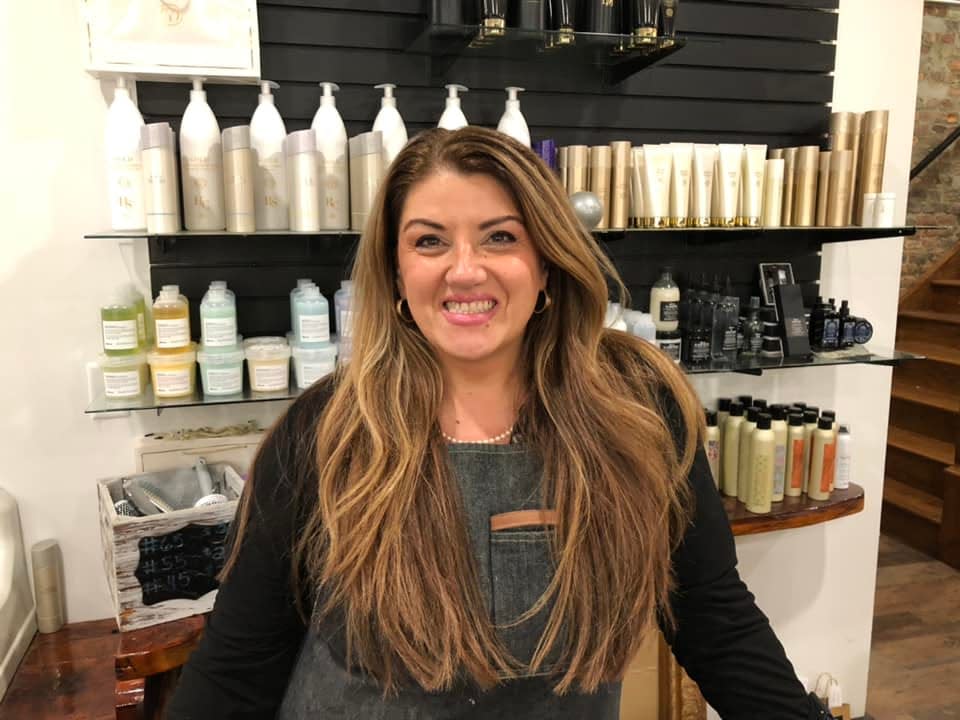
{"x":789,"y":173}
{"x":619,"y":184}
{"x":636,"y":187}
{"x":775,"y":154}
{"x":854,"y":165}
{"x":772,"y":193}
{"x":838,"y":194}
{"x":600,"y":181}
{"x":845,"y":135}
{"x":702,"y":185}
{"x":805,"y":186}
{"x":563,"y":153}
{"x":578,"y":162}
{"x":873,"y":153}
{"x":823,"y":185}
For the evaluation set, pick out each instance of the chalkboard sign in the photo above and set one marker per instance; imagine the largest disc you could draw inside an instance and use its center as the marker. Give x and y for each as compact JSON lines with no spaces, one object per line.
{"x":181,"y":564}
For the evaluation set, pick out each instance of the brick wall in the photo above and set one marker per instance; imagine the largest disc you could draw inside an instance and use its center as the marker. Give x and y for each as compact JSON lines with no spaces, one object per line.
{"x":935,"y":194}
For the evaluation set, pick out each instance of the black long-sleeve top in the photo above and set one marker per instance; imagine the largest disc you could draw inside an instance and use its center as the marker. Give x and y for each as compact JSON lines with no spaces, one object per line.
{"x":254,"y":634}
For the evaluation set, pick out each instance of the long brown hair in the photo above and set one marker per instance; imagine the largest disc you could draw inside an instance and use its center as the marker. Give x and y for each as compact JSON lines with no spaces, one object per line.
{"x":387,"y":543}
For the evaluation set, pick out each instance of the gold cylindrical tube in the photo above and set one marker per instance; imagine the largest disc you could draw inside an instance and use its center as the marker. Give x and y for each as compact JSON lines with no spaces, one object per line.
{"x":563,"y":155}
{"x":775,"y":154}
{"x":805,"y":186}
{"x":854,"y":165}
{"x":772,"y":193}
{"x":600,"y":181}
{"x":873,"y":153}
{"x":578,"y":163}
{"x":845,"y":135}
{"x":789,"y":174}
{"x":823,"y":185}
{"x":838,"y":194}
{"x":620,"y":160}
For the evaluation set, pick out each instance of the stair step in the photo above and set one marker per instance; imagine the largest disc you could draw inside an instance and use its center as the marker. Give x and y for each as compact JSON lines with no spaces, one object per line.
{"x":946,"y":283}
{"x":929,"y":448}
{"x":929,"y":315}
{"x":944,"y":296}
{"x":928,"y":326}
{"x":947,"y":354}
{"x":911,"y":392}
{"x":915,"y":502}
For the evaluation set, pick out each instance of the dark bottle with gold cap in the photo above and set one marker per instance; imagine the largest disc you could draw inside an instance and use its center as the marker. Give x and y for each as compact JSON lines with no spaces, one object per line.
{"x":600,"y":16}
{"x":646,"y":15}
{"x":561,"y":18}
{"x":668,"y":18}
{"x":493,"y":17}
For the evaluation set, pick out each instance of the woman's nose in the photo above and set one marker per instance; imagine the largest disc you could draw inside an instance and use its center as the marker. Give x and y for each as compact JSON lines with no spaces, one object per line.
{"x":466,"y":267}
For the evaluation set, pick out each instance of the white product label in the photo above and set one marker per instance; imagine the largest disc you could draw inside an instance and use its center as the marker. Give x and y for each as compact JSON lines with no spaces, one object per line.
{"x":172,"y":383}
{"x":270,"y":377}
{"x":220,"y":332}
{"x":315,"y":328}
{"x":223,"y":381}
{"x":173,"y":333}
{"x":120,"y":334}
{"x":779,"y":469}
{"x":841,"y":480}
{"x":311,"y":372}
{"x":121,"y":384}
{"x":345,"y":324}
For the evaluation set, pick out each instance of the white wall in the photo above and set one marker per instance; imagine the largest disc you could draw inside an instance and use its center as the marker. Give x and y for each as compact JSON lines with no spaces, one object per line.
{"x":817,"y":584}
{"x":51,"y":284}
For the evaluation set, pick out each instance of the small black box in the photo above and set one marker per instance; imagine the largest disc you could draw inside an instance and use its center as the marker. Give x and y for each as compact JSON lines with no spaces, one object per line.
{"x":793,"y":329}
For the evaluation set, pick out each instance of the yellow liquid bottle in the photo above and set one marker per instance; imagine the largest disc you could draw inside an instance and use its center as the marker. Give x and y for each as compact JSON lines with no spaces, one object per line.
{"x":731,"y":449}
{"x":762,"y":460}
{"x":171,"y":321}
{"x":744,"y":472}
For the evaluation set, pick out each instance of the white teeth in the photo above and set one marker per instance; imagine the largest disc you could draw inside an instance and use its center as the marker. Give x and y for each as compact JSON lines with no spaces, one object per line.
{"x":470,"y":307}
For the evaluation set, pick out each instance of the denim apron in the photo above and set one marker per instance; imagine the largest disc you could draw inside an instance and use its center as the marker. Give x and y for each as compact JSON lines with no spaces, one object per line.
{"x":514,"y":568}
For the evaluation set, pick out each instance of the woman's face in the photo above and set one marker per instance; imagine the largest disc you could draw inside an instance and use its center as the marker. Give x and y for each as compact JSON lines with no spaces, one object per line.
{"x":467,"y":267}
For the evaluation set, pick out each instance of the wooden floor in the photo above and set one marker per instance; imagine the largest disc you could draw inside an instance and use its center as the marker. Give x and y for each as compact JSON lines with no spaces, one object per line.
{"x":915,"y":659}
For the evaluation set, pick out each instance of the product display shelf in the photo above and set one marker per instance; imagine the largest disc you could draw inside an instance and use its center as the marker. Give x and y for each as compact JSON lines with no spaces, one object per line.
{"x":794,"y":512}
{"x":774,"y":235}
{"x":859,"y":354}
{"x":617,"y":56}
{"x":187,"y":234}
{"x":148,"y":402}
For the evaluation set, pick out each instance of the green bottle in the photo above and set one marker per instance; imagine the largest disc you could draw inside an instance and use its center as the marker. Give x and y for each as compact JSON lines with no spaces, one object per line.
{"x":118,"y":326}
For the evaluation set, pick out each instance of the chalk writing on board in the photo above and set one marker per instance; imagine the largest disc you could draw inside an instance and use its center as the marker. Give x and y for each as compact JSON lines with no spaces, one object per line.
{"x":182,"y":564}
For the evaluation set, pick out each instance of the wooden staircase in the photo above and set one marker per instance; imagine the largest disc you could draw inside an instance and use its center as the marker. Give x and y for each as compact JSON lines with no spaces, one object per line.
{"x":921,"y":494}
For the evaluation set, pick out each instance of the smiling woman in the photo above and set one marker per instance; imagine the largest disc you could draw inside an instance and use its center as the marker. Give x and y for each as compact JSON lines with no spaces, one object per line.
{"x":487,"y":510}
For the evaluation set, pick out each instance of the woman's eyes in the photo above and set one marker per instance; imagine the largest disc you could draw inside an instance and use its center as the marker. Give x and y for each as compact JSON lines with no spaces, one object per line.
{"x":428,"y":241}
{"x":500,"y":237}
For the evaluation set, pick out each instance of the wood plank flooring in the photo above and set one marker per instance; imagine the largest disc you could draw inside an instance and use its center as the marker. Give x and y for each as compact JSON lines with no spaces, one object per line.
{"x":915,"y":658}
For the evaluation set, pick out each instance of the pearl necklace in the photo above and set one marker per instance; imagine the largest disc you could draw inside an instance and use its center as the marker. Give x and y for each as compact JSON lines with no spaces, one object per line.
{"x":488,"y":441}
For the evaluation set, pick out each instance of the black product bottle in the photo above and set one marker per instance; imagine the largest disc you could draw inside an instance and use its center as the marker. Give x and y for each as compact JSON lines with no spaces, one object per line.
{"x":646,"y":16}
{"x":831,"y":327}
{"x":753,"y":329}
{"x":493,"y":16}
{"x":701,"y":339}
{"x":600,"y":16}
{"x":692,"y":307}
{"x":668,"y":18}
{"x":530,"y":14}
{"x":817,"y":315}
{"x":561,"y":17}
{"x":447,"y":12}
{"x":847,"y":325}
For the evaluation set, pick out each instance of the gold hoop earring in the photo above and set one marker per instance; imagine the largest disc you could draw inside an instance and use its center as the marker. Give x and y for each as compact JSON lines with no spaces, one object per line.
{"x":399,"y":306}
{"x":547,"y":302}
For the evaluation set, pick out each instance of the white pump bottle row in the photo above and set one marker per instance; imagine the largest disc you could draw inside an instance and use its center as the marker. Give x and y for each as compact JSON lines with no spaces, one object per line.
{"x":332,"y":159}
{"x":512,"y":122}
{"x":267,"y":133}
{"x":389,"y":123}
{"x":124,"y":168}
{"x":201,"y":164}
{"x":453,"y":117}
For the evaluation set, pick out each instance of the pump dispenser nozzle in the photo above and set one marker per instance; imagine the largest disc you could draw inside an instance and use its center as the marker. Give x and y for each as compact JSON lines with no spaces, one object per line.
{"x":388,"y":100}
{"x":452,"y":93}
{"x":266,"y":90}
{"x":453,"y":117}
{"x":512,"y":122}
{"x":512,"y":95}
{"x":328,"y":89}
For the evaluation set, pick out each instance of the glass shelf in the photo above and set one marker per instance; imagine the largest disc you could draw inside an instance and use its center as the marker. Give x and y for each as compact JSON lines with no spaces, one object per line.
{"x":148,"y":402}
{"x":186,"y":234}
{"x":718,"y":234}
{"x":619,"y":56}
{"x":758,"y":365}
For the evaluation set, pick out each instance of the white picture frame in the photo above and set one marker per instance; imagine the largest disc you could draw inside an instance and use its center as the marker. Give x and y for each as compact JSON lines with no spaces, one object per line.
{"x":172,"y":39}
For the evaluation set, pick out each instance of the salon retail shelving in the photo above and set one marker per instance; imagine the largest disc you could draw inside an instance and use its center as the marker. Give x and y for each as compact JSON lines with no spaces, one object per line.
{"x":148,"y":402}
{"x":794,"y":512}
{"x":857,"y":355}
{"x":616,"y":56}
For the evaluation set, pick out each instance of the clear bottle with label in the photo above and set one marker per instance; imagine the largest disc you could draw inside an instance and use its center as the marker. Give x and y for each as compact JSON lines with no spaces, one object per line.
{"x":118,"y":326}
{"x":665,"y":302}
{"x":745,"y":464}
{"x":844,"y":442}
{"x":301,"y":283}
{"x":762,"y":466}
{"x":343,"y":306}
{"x":218,"y":320}
{"x":171,"y":320}
{"x":779,"y":428}
{"x":730,"y":452}
{"x":124,"y":169}
{"x":793,"y":485}
{"x":712,"y":446}
{"x":725,"y":340}
{"x":313,"y":318}
{"x":753,"y":329}
{"x":201,"y":164}
{"x":822,"y":461}
{"x":810,"y":417}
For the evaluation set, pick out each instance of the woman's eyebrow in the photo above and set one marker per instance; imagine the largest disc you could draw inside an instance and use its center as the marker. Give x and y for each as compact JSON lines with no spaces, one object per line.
{"x":482,"y":226}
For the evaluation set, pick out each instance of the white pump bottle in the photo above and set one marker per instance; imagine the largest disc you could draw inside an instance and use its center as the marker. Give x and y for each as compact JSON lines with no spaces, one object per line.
{"x":124,"y":168}
{"x":453,"y":117}
{"x":201,"y":164}
{"x":390,"y":124}
{"x":332,"y":160}
{"x":512,"y":122}
{"x":267,"y":133}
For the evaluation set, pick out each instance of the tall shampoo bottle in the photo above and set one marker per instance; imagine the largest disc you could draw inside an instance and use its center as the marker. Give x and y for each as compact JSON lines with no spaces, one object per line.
{"x":745,"y":472}
{"x":809,"y":426}
{"x":512,"y":122}
{"x":822,"y":459}
{"x":267,"y":133}
{"x":453,"y":117}
{"x":334,"y":175}
{"x":779,"y":428}
{"x":201,"y":164}
{"x":762,"y":466}
{"x":730,"y":452}
{"x":712,"y":446}
{"x":793,"y":485}
{"x":124,"y":168}
{"x":389,"y":124}
{"x":841,"y":479}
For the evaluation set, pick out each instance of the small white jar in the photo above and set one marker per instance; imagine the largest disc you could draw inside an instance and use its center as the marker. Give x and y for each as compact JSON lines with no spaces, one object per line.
{"x":311,"y":364}
{"x":268,"y":366}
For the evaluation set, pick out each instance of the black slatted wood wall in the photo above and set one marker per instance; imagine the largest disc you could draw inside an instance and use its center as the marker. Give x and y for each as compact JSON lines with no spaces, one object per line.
{"x":757,"y":72}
